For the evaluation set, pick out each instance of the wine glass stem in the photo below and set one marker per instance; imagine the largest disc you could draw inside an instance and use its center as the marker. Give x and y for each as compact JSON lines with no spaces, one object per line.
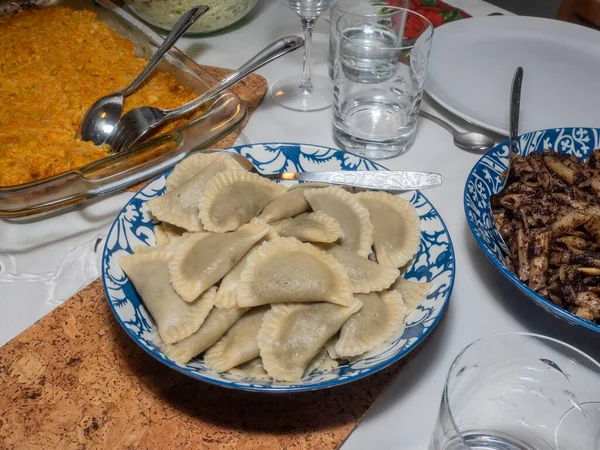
{"x":307,"y":27}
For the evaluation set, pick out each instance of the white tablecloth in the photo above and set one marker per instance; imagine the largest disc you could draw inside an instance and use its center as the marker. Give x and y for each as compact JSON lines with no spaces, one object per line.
{"x":45,"y":263}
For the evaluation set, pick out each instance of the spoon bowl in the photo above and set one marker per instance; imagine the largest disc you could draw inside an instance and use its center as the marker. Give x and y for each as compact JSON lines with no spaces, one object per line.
{"x":474,"y":142}
{"x":465,"y":140}
{"x":101,"y":119}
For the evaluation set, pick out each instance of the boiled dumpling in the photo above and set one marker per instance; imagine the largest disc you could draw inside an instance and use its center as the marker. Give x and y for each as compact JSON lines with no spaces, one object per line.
{"x":173,"y":232}
{"x":239,"y":343}
{"x":175,"y":318}
{"x":160,"y":235}
{"x":330,"y":347}
{"x":381,"y":315}
{"x":251,"y":369}
{"x":293,"y":334}
{"x":397,"y":232}
{"x":165,"y":233}
{"x":180,"y":206}
{"x":216,"y":325}
{"x":228,"y":289}
{"x":328,"y":363}
{"x":202,"y":259}
{"x":314,"y":227}
{"x":165,"y":236}
{"x":357,"y":230}
{"x":137,"y":249}
{"x":195,"y":163}
{"x":315,"y":364}
{"x":365,"y":275}
{"x":287,"y":270}
{"x":288,"y":205}
{"x":234,"y":197}
{"x":412,"y":292}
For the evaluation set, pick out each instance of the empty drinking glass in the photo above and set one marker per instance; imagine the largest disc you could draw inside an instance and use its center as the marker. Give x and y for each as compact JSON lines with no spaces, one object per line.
{"x":520,"y":392}
{"x":305,"y":92}
{"x":351,"y":6}
{"x":379,"y":74}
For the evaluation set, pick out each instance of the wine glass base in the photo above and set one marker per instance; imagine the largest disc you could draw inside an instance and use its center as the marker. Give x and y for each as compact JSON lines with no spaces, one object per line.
{"x":287,"y":93}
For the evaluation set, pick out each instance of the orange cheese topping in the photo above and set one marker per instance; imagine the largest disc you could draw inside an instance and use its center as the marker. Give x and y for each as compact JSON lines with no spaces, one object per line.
{"x":54,"y":64}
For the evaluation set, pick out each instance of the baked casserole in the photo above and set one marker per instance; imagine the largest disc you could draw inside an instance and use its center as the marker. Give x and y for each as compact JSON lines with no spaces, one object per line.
{"x":54,"y":64}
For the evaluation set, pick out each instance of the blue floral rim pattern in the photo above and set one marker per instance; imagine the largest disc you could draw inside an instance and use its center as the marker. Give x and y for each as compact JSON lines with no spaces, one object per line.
{"x":434,"y":263}
{"x":484,"y":181}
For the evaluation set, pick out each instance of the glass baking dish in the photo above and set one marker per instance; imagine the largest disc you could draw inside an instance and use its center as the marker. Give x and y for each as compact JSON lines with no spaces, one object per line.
{"x":92,"y":182}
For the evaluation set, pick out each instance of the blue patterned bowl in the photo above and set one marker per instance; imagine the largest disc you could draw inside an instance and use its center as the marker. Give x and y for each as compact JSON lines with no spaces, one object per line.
{"x":434,"y":263}
{"x":484,"y":181}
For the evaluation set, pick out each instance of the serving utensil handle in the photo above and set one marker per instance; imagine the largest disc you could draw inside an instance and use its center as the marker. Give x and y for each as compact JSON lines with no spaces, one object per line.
{"x":391,"y":180}
{"x":515,"y":107}
{"x":278,"y":48}
{"x":184,"y":22}
{"x":437,"y":120}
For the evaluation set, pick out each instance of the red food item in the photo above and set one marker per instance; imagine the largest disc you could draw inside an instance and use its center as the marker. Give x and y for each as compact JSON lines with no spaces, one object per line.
{"x":436,"y":11}
{"x":433,"y":14}
{"x":398,"y":3}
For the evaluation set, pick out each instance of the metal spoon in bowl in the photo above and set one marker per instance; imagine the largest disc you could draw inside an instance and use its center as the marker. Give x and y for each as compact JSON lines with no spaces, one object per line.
{"x":138,"y":122}
{"x":101,"y":118}
{"x":469,"y":140}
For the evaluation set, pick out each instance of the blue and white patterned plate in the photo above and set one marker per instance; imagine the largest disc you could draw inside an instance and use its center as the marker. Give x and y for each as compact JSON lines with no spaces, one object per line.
{"x":434,"y":263}
{"x":484,"y":180}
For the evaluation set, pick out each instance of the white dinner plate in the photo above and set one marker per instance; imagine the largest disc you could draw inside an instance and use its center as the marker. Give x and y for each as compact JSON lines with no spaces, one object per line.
{"x":472,"y":64}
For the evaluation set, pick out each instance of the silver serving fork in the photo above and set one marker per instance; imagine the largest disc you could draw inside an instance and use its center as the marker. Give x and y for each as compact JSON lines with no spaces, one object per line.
{"x":138,"y":122}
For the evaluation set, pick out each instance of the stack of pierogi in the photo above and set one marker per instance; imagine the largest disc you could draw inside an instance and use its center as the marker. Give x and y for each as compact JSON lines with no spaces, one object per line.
{"x":271,"y":282}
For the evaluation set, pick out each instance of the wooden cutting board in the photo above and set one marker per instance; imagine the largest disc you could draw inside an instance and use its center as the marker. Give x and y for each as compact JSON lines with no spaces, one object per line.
{"x":75,"y":380}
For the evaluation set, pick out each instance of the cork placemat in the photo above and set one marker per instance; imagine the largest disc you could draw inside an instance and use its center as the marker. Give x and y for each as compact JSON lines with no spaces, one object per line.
{"x":75,"y":380}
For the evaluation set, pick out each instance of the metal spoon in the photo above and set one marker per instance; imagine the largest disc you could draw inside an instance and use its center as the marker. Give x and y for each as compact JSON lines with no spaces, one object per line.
{"x":138,"y":122}
{"x":102,"y":117}
{"x":468,"y":140}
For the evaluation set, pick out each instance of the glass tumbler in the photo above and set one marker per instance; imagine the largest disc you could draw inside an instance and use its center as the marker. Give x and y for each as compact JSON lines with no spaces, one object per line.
{"x":379,"y":74}
{"x":351,"y":6}
{"x":520,"y":392}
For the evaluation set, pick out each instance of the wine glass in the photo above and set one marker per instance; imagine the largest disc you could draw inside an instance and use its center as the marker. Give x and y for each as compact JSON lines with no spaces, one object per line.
{"x":305,"y":92}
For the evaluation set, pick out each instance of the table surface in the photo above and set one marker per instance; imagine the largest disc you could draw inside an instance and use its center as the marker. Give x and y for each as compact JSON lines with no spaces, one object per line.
{"x":45,"y":263}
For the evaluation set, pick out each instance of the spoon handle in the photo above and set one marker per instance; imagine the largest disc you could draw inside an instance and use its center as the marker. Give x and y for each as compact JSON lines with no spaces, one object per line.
{"x":186,"y":20}
{"x":278,"y":48}
{"x":437,"y":120}
{"x":392,"y":180}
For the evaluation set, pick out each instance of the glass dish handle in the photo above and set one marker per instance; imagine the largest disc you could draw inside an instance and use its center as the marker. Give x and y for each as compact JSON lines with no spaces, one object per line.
{"x":115,"y":173}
